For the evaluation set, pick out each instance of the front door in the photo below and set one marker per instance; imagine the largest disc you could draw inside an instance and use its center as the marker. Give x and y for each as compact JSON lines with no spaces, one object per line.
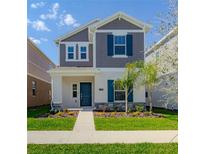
{"x":85,"y":94}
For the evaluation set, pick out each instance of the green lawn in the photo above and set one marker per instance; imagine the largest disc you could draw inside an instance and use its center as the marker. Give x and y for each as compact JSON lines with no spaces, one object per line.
{"x":144,"y":148}
{"x":34,"y":123}
{"x":169,"y":122}
{"x":50,"y":123}
{"x":36,"y":111}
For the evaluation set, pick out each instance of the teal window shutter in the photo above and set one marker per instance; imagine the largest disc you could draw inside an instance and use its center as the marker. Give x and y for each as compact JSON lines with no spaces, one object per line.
{"x":110,"y":90}
{"x":129,"y":43}
{"x":130,"y":96}
{"x":110,"y":45}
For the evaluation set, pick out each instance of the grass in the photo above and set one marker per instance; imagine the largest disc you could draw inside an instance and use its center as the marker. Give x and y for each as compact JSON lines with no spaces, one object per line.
{"x":143,"y":148}
{"x":50,"y":123}
{"x":34,"y":112}
{"x":170,"y":122}
{"x":34,"y":123}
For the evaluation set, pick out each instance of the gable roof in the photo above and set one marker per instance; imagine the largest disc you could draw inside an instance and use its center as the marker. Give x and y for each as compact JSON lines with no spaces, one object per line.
{"x":124,"y":16}
{"x":29,"y":41}
{"x":76,"y":30}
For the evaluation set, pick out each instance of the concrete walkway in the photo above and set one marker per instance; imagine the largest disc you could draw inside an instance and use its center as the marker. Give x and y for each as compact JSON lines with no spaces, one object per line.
{"x":84,"y":132}
{"x":85,"y":122}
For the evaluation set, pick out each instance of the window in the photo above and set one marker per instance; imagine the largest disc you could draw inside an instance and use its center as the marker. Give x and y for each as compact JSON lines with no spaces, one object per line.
{"x":70,"y":52}
{"x":34,"y":88}
{"x":119,"y":92}
{"x":83,"y":52}
{"x":75,"y":90}
{"x":119,"y":45}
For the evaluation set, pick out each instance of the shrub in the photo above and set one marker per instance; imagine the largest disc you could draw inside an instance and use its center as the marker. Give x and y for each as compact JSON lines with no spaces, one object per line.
{"x":135,"y":114}
{"x":139,"y":108}
{"x":147,"y":114}
{"x":70,"y":113}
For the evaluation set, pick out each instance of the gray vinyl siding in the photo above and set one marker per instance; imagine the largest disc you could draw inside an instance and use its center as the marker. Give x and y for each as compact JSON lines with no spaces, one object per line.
{"x":81,"y":36}
{"x":120,"y":24}
{"x":64,"y":63}
{"x":103,"y":60}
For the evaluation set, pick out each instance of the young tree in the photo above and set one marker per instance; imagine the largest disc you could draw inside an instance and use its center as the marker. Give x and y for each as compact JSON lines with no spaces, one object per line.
{"x":127,"y":81}
{"x":148,"y":77}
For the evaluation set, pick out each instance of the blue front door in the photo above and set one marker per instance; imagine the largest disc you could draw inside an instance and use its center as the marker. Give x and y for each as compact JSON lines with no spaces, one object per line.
{"x":85,"y":94}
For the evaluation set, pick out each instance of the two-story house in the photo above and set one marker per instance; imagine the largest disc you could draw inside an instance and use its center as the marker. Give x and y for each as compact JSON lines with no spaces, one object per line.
{"x":38,"y":80}
{"x":92,"y":57}
{"x":165,"y":53}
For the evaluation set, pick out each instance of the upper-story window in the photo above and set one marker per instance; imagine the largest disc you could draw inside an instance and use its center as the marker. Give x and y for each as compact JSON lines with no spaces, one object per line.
{"x":83,"y":52}
{"x":120,"y":45}
{"x":70,"y":52}
{"x":74,"y":48}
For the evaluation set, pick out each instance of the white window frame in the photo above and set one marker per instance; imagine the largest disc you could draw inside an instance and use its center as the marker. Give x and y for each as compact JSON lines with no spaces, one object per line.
{"x":79,"y":51}
{"x":118,"y":91}
{"x":75,"y":90}
{"x":117,"y":55}
{"x":74,"y":48}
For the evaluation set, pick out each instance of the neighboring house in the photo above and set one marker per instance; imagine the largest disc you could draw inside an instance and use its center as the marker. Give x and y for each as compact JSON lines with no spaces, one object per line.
{"x":38,"y":80}
{"x":165,"y":95}
{"x":92,"y":57}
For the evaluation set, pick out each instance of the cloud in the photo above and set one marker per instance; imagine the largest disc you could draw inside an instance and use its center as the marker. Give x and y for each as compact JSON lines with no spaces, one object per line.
{"x":76,"y":25}
{"x":53,"y":12}
{"x":37,"y":5}
{"x":36,"y":41}
{"x":38,"y":25}
{"x":67,"y":19}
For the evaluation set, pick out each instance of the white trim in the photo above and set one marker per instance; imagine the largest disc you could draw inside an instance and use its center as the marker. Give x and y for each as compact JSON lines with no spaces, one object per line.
{"x":94,"y":50}
{"x":76,"y":30}
{"x":118,"y":31}
{"x":74,"y":90}
{"x":59,"y":59}
{"x":130,"y":19}
{"x":73,"y":71}
{"x":74,"y":52}
{"x":67,"y":42}
{"x":38,"y":78}
{"x":119,"y":56}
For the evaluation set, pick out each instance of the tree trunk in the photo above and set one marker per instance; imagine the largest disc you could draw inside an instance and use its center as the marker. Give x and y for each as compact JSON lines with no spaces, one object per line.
{"x":150,"y":101}
{"x":126,"y":93}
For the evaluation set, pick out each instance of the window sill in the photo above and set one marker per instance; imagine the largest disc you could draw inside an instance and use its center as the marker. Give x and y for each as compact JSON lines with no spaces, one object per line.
{"x":77,"y":60}
{"x":123,"y":101}
{"x":119,"y":56}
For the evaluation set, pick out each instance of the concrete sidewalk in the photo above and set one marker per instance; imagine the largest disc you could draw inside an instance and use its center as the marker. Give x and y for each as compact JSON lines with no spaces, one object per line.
{"x":84,"y":132}
{"x":71,"y":137}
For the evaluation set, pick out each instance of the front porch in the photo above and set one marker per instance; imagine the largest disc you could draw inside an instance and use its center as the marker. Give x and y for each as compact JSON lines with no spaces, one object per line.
{"x":75,"y":92}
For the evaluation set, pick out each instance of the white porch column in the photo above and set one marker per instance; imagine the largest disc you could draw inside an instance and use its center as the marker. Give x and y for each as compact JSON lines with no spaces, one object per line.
{"x":57,"y":89}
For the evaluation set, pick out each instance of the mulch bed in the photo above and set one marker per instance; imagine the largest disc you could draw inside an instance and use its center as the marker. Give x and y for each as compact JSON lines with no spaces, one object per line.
{"x":130,"y":114}
{"x":63,"y":114}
